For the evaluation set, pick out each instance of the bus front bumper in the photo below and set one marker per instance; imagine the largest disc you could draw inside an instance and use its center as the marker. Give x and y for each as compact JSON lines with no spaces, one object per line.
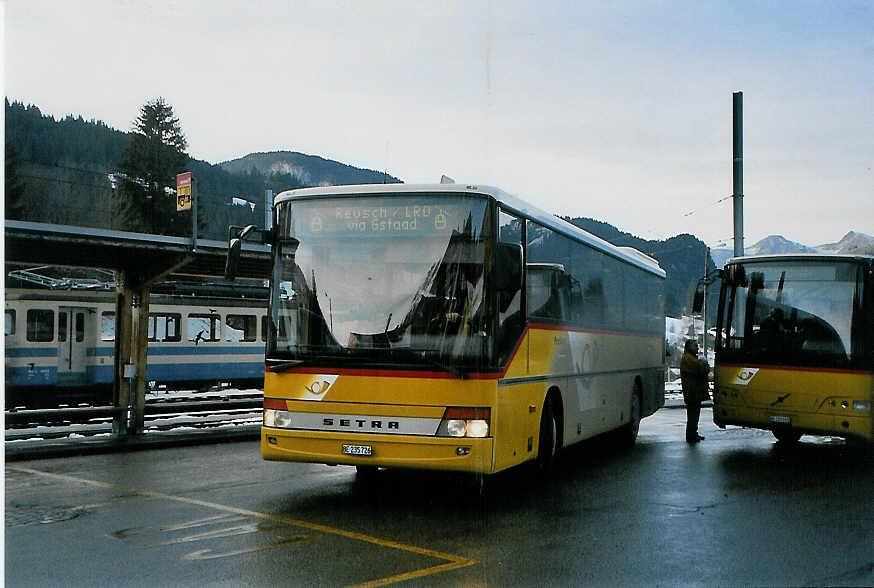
{"x":462,"y":454}
{"x":806,"y":422}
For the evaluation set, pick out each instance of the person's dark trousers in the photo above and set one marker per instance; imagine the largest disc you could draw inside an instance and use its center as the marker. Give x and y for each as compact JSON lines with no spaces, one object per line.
{"x":693,"y":413}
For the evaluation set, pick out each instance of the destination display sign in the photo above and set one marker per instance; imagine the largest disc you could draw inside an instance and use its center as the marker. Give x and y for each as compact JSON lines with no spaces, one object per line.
{"x":384,"y":216}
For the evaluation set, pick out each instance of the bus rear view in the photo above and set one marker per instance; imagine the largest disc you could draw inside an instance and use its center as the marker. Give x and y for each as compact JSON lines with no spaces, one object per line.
{"x":794,"y":349}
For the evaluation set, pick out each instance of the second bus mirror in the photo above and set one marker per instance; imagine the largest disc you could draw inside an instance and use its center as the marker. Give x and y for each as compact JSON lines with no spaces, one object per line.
{"x":698,"y":300}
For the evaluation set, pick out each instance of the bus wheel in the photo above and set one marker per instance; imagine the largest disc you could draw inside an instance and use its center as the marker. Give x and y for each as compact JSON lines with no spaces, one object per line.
{"x":366,"y":473}
{"x":548,"y":447}
{"x":787,"y":436}
{"x":629,"y":432}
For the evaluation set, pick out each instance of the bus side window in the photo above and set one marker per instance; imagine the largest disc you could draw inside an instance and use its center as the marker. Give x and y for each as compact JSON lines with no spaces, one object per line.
{"x":508,"y":282}
{"x":576,"y":300}
{"x":563,"y":291}
{"x":547,"y":294}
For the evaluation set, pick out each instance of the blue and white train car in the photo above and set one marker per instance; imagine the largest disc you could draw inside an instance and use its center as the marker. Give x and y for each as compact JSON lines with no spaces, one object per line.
{"x":61,"y":344}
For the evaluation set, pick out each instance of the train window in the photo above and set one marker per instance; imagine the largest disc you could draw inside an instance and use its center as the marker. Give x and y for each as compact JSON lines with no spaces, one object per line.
{"x":62,"y":327}
{"x":204,"y":327}
{"x":80,"y":327}
{"x":40,"y":325}
{"x":164,"y":327}
{"x":9,"y":322}
{"x":107,"y":326}
{"x":264,"y":327}
{"x":241,"y":327}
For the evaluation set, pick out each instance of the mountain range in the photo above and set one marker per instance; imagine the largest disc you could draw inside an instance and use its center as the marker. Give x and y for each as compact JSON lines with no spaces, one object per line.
{"x":62,"y":172}
{"x":309,"y":170}
{"x":853,"y":243}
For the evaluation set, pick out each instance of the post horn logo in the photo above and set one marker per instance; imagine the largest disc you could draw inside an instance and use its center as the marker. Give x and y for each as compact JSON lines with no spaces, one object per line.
{"x":320,"y":385}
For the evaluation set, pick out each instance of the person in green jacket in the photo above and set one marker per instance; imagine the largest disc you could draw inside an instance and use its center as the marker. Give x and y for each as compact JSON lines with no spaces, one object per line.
{"x":693,"y":377}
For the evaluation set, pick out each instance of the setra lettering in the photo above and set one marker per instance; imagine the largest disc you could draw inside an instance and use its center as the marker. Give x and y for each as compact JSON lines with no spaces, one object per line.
{"x":373,"y":425}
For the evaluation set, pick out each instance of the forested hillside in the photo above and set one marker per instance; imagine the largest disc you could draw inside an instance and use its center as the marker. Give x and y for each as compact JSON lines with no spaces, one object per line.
{"x":682,"y":257}
{"x":66,"y":172}
{"x":310,"y":170}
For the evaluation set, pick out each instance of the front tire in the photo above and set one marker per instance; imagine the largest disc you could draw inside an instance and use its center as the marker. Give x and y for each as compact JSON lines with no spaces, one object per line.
{"x":547,"y":449}
{"x":787,"y":436}
{"x":366,"y":473}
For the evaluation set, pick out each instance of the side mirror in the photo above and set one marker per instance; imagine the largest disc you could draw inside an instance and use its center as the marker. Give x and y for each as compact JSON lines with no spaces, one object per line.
{"x":698,"y":300}
{"x":235,"y":248}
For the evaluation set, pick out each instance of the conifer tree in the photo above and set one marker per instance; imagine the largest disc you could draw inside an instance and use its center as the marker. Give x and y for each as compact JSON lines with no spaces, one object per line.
{"x":150,"y":163}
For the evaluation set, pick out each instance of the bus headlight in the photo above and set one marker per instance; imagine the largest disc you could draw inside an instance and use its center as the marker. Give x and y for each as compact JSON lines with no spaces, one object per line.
{"x":275,"y":413}
{"x":863,"y":405}
{"x":277,"y":418}
{"x":465,"y":422}
{"x":456,"y":428}
{"x":477,"y":428}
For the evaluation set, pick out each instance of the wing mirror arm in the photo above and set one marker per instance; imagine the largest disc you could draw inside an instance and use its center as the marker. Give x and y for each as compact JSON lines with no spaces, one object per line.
{"x":701,"y":288}
{"x":236,"y":236}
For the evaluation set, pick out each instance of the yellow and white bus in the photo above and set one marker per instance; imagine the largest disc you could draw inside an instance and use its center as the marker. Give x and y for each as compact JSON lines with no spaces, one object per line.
{"x":451,"y":327}
{"x":795,"y":345}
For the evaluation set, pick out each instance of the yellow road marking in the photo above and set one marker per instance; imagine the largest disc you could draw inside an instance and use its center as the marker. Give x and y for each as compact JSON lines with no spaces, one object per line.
{"x":453,"y":561}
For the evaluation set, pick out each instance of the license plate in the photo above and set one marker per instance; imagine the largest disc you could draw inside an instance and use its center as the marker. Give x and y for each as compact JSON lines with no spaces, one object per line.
{"x":365,"y":450}
{"x":780,"y":420}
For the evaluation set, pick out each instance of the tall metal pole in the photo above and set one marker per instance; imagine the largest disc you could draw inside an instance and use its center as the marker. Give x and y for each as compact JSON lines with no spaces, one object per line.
{"x":268,"y":209}
{"x":704,"y":306}
{"x":738,"y":169}
{"x":193,"y":213}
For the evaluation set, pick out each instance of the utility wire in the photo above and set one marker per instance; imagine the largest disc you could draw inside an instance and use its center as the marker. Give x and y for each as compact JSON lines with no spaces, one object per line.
{"x":691,"y":212}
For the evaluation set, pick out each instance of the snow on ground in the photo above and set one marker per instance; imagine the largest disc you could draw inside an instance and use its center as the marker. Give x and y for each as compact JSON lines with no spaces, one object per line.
{"x":195,"y":395}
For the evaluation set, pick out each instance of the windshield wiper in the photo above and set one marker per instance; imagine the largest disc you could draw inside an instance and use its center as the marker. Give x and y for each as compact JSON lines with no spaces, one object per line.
{"x":283,"y":365}
{"x":458,"y":373}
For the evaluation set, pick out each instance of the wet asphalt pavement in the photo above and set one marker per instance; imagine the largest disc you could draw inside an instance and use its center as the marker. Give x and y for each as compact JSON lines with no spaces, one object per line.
{"x":736,"y":509}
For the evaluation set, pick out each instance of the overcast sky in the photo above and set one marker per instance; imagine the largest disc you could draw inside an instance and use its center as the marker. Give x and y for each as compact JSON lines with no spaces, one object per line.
{"x":621,"y":111}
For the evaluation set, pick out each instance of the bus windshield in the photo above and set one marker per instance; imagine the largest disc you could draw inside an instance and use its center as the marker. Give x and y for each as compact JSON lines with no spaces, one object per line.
{"x":792,"y":313}
{"x":388,"y":279}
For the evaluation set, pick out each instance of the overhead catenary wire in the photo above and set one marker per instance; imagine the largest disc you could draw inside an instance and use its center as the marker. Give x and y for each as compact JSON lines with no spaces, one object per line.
{"x":721,"y":200}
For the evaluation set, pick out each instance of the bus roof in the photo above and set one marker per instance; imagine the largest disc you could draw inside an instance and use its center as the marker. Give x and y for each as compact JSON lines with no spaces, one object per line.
{"x":508,"y":201}
{"x":815,"y":257}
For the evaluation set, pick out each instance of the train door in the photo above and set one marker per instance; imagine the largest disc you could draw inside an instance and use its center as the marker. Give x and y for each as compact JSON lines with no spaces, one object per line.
{"x":72,"y":345}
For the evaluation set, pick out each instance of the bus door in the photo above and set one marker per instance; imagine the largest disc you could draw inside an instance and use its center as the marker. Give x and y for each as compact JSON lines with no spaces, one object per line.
{"x":72,"y":345}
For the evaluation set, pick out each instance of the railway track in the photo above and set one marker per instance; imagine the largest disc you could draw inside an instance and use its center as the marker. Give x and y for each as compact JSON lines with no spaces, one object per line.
{"x":163,"y":412}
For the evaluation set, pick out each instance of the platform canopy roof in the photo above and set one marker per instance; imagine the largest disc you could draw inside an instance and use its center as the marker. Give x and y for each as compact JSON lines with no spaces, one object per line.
{"x":142,"y":257}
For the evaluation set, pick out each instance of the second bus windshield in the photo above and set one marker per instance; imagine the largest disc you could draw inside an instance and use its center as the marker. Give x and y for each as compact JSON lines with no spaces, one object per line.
{"x":382,"y":277}
{"x":791,"y":313}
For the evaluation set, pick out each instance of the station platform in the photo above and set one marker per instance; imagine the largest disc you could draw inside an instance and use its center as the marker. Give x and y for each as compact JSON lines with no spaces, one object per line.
{"x":48,"y":448}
